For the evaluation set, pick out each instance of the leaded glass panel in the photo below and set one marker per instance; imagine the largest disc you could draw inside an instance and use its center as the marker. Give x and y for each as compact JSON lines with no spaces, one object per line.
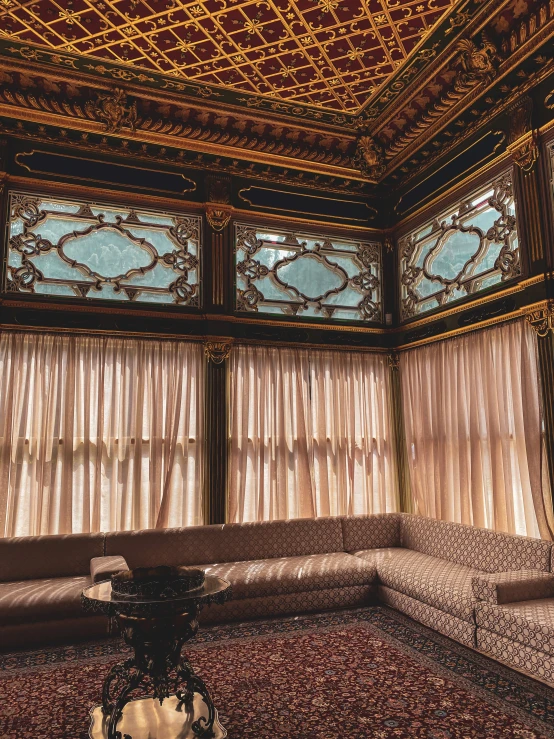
{"x":470,"y":247}
{"x":297,"y":273}
{"x":82,"y":249}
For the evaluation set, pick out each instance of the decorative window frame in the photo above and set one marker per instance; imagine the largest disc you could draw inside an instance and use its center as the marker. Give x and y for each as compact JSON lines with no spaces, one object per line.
{"x":21,"y":280}
{"x":507,"y":265}
{"x":367,"y":282}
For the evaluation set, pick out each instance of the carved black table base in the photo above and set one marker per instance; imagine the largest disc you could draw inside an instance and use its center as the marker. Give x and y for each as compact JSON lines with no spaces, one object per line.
{"x":157,"y":631}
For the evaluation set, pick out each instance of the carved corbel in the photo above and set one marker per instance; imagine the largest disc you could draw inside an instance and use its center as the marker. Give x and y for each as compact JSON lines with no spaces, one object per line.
{"x":218,"y":215}
{"x":218,"y":350}
{"x":522,"y":139}
{"x":542,"y":319}
{"x":369,"y":158}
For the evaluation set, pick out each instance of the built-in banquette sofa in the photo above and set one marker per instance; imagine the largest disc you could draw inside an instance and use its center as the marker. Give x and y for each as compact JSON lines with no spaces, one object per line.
{"x":487,"y":590}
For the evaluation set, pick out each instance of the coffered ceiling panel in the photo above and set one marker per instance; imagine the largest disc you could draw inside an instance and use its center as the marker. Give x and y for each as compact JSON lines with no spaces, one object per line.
{"x":332,"y":54}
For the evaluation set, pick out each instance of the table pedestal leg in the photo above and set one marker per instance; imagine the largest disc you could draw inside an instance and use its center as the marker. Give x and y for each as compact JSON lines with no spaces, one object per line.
{"x":157,"y":663}
{"x":203,"y":727}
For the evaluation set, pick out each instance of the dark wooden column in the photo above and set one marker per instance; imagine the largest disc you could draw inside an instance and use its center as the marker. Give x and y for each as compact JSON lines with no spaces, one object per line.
{"x":537,"y":204}
{"x":216,"y":420}
{"x":401,"y":450}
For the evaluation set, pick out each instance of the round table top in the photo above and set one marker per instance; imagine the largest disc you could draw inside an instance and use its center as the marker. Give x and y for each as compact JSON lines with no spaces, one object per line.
{"x":101,"y":597}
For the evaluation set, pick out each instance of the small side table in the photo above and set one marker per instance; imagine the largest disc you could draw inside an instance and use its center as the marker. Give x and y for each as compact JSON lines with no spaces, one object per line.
{"x":156,"y":630}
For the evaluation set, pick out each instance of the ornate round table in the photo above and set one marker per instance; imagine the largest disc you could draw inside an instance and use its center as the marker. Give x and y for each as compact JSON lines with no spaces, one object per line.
{"x":156,"y":629}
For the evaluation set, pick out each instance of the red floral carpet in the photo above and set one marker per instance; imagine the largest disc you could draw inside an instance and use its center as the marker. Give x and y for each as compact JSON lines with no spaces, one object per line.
{"x":356,"y":674}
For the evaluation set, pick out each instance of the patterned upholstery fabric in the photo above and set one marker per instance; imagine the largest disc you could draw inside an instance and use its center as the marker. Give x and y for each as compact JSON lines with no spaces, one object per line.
{"x":437,"y":582}
{"x":535,"y":663}
{"x":33,"y":557}
{"x":509,"y":587}
{"x":63,"y":631}
{"x":481,"y":549}
{"x":102,"y":568}
{"x":291,"y":603}
{"x":371,"y":532}
{"x":446,"y":624}
{"x":530,"y":622}
{"x":262,"y":577}
{"x":227,"y":543}
{"x":40,"y":600}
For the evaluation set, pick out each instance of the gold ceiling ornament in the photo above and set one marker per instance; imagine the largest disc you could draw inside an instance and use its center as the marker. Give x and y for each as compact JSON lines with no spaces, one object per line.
{"x":369,"y":158}
{"x":217,"y":351}
{"x":218,"y":215}
{"x":114,"y":110}
{"x":542,"y":319}
{"x":476,"y":65}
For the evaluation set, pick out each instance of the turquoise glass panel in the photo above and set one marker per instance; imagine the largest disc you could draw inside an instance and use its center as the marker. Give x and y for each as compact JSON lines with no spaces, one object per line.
{"x":303,"y":275}
{"x":71,"y":248}
{"x":456,"y":252}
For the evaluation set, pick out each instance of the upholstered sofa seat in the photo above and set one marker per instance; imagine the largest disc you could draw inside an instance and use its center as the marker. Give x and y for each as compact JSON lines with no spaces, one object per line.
{"x":437,"y":582}
{"x":41,"y":600}
{"x":520,"y":634}
{"x":262,"y":577}
{"x":530,"y":622}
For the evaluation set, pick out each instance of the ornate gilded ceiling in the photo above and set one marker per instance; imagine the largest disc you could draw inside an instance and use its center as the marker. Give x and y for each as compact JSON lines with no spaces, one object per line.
{"x":331,"y":54}
{"x":152,"y":79}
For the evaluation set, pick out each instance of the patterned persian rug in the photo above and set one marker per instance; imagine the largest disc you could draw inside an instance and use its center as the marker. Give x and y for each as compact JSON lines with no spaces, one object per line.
{"x":362,"y":673}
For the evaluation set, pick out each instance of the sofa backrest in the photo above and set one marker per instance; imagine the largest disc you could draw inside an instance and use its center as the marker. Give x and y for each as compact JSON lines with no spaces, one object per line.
{"x":371,"y":532}
{"x":227,"y":543}
{"x":490,"y":551}
{"x":36,"y":557}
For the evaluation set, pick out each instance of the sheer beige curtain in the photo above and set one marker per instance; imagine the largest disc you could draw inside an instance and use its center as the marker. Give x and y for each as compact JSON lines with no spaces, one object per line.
{"x":99,"y":433}
{"x":310,"y":434}
{"x":473,"y":430}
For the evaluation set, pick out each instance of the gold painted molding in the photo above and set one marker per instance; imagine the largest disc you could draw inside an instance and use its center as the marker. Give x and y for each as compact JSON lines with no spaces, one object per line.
{"x":519,"y":313}
{"x":293,"y":325}
{"x":517,"y":288}
{"x":201,"y":146}
{"x":99,"y":332}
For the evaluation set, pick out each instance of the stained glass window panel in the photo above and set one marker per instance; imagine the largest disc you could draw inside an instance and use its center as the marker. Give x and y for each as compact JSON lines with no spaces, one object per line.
{"x":468,"y":248}
{"x":301,"y":274}
{"x":81,"y":249}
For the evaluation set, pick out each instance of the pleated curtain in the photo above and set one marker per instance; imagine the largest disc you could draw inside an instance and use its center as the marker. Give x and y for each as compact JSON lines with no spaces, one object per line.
{"x":99,"y":434}
{"x":473,"y":431}
{"x":310,"y":434}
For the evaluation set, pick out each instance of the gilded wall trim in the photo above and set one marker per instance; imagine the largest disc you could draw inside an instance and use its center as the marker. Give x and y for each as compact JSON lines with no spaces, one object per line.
{"x":300,"y":325}
{"x":188,"y":184}
{"x":467,"y":305}
{"x":519,"y":313}
{"x":4,"y":327}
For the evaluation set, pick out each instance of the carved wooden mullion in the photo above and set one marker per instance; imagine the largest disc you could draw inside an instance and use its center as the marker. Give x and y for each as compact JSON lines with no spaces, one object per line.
{"x":216,"y":423}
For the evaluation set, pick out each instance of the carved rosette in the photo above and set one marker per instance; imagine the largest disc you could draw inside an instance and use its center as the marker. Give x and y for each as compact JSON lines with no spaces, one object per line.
{"x":542,"y":319}
{"x":217,"y":351}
